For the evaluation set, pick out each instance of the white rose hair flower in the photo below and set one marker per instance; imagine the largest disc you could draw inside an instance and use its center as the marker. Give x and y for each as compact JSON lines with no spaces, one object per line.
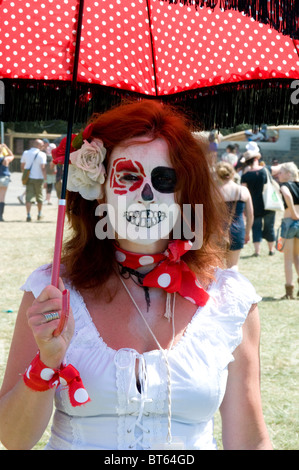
{"x":87,"y":173}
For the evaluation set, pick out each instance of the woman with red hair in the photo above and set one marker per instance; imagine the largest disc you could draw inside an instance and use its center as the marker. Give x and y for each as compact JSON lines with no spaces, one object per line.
{"x":153,"y":343}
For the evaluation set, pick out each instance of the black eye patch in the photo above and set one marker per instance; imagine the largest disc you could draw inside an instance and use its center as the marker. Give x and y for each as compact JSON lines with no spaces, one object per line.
{"x":164,"y":179}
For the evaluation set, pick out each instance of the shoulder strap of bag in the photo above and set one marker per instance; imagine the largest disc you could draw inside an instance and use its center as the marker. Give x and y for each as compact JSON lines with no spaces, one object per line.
{"x":33,"y":160}
{"x":268,"y":174}
{"x":271,"y":180}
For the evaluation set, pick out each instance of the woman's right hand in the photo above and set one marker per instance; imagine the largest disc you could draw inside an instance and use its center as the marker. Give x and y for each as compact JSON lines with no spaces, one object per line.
{"x":52,"y":348}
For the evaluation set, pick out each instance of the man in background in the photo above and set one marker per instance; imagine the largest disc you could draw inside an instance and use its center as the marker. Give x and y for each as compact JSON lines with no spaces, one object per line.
{"x":36,"y":160}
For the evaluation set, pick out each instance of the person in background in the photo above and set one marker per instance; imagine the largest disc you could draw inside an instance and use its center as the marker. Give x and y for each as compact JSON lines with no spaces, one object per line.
{"x":58,"y":183}
{"x":230,"y":155}
{"x":58,"y":171}
{"x":35,"y":159}
{"x":21,"y":198}
{"x":254,"y":135}
{"x":264,"y":131}
{"x":254,"y":177}
{"x":248,"y":134}
{"x":50,"y":170}
{"x":239,"y":203}
{"x":237,"y":150}
{"x":257,"y":135}
{"x":213,"y":147}
{"x":275,"y":162}
{"x":6,"y":157}
{"x":288,"y":178}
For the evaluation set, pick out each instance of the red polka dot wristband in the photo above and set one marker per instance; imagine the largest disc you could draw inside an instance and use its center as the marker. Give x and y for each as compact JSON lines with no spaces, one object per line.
{"x":40,"y":378}
{"x":171,"y":274}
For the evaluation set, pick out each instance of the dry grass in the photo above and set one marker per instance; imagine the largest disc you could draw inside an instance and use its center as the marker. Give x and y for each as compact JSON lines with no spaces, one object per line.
{"x":25,"y":246}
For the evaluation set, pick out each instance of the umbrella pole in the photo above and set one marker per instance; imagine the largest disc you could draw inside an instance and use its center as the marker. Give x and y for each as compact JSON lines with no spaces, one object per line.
{"x":152,"y":45}
{"x":62,"y":201}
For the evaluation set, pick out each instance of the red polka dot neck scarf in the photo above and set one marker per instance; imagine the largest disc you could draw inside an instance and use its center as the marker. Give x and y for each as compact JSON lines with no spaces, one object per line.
{"x":171,"y":273}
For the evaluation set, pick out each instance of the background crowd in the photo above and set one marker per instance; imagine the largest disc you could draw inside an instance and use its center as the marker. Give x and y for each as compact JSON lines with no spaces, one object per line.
{"x":237,"y":172}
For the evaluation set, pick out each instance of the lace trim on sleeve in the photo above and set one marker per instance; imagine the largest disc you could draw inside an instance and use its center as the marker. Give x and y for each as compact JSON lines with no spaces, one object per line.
{"x":38,"y":280}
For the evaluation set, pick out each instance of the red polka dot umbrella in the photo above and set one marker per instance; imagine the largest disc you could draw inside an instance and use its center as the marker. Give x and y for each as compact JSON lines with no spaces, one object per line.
{"x":224,"y":65}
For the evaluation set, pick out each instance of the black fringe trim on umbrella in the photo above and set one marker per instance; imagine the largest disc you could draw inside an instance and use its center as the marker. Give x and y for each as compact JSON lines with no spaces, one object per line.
{"x":282,"y":15}
{"x":252,"y":102}
{"x":274,"y":102}
{"x":43,"y":100}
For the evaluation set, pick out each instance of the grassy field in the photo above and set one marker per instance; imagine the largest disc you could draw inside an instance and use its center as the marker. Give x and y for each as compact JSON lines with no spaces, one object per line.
{"x":25,"y":246}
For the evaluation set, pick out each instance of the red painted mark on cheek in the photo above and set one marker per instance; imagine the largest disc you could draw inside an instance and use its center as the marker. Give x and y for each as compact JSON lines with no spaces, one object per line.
{"x":122,"y":167}
{"x":119,"y":188}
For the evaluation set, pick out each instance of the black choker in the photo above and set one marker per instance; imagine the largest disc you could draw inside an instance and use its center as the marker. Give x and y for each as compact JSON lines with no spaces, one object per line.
{"x":137,"y":277}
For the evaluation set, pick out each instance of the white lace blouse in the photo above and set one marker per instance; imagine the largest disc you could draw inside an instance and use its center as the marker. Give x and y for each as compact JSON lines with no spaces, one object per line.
{"x":124,"y":417}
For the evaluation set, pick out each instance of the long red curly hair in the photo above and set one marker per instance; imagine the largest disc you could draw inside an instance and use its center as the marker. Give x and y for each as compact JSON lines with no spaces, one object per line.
{"x":88,"y":262}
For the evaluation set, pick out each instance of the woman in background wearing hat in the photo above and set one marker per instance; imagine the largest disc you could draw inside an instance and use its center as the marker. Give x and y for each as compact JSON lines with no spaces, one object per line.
{"x":254,"y":177}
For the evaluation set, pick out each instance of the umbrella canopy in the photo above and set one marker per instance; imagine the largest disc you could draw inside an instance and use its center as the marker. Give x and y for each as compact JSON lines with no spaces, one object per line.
{"x":226,"y":67}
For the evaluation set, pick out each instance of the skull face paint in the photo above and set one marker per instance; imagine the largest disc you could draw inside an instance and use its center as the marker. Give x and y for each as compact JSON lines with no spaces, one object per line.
{"x":140,"y":191}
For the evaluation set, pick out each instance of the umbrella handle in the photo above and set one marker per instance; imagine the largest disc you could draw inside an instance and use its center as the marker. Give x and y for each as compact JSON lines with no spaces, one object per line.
{"x":58,"y":243}
{"x":64,"y":312}
{"x":56,"y":268}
